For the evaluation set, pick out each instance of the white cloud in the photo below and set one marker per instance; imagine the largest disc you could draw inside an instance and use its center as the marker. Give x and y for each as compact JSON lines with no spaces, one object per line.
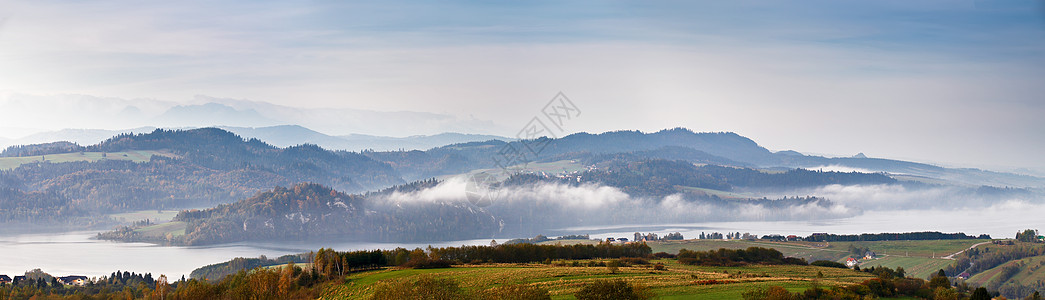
{"x":549,"y":205}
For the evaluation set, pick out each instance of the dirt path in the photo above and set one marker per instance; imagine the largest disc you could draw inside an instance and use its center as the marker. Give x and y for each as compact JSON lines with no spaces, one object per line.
{"x":960,"y":252}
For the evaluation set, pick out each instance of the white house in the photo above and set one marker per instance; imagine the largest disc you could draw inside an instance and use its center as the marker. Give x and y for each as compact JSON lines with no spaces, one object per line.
{"x":74,"y":280}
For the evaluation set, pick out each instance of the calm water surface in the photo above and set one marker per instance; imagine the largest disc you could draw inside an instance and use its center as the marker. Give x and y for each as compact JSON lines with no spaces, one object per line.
{"x":74,"y":253}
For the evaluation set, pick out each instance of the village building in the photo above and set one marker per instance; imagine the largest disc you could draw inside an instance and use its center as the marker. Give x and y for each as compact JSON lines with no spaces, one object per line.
{"x":964,"y":275}
{"x":73,"y":280}
{"x":851,"y":262}
{"x":4,"y":279}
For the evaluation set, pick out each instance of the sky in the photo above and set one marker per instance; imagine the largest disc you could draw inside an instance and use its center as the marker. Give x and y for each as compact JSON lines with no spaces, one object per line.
{"x":958,"y":83}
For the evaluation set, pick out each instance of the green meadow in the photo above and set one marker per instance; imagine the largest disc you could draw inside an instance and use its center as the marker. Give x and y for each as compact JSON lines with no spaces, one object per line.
{"x":8,"y":163}
{"x":562,"y":280}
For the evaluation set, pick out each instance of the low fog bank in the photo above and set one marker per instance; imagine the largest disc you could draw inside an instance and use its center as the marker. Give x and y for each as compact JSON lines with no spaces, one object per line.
{"x":903,"y":197}
{"x":535,"y":208}
{"x":526,"y":210}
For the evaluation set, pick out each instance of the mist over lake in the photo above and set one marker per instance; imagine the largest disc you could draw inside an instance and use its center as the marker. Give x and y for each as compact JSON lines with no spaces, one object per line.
{"x":76,"y":253}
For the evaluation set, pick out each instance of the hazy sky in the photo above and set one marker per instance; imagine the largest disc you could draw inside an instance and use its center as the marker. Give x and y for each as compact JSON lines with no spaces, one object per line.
{"x":960,"y":82}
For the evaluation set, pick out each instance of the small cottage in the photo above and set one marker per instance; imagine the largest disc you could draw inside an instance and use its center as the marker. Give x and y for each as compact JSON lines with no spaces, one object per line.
{"x":73,"y":280}
{"x":851,"y":262}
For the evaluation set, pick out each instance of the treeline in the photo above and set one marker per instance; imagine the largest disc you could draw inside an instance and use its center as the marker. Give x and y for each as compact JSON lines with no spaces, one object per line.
{"x":730,"y":236}
{"x":220,"y":270}
{"x":529,"y":253}
{"x":792,"y":178}
{"x":541,"y":238}
{"x":41,"y":149}
{"x":674,"y":236}
{"x":118,"y":285}
{"x":907,"y":236}
{"x":328,"y":262}
{"x":737,"y":257}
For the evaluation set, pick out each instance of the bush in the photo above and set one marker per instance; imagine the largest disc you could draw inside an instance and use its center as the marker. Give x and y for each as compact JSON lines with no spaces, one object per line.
{"x":663,"y":255}
{"x":613,"y":266}
{"x":628,"y":261}
{"x":659,"y":267}
{"x":771,"y":293}
{"x":980,"y":294}
{"x":514,"y":292}
{"x":738,"y":257}
{"x":612,"y":289}
{"x":829,"y":264}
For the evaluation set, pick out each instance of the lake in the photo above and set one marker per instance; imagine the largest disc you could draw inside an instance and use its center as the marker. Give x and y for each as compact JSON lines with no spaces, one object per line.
{"x":74,"y":253}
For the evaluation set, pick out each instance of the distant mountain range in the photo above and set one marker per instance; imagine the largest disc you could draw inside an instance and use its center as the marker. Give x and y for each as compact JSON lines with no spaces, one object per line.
{"x":19,"y":111}
{"x":455,"y":153}
{"x":280,"y":136}
{"x":209,"y":166}
{"x":289,"y":135}
{"x":720,"y":148}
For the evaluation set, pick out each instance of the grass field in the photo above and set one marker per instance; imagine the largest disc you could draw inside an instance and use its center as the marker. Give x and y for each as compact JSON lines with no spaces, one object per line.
{"x":160,"y":230}
{"x":916,"y":257}
{"x":155,"y":216}
{"x":937,"y":248}
{"x":676,"y":282}
{"x":918,"y":267}
{"x":8,"y":163}
{"x":1032,"y":270}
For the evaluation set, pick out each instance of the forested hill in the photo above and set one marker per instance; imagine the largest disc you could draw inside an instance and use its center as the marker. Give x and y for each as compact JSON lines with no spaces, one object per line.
{"x":714,"y":148}
{"x":717,"y":148}
{"x":308,"y":210}
{"x":219,"y":149}
{"x":203,"y":167}
{"x":660,"y":177}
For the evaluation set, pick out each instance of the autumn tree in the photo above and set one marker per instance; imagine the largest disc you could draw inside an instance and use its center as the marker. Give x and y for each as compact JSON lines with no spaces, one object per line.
{"x":1029,"y":235}
{"x":940,"y":281}
{"x":162,"y":287}
{"x":286,"y":280}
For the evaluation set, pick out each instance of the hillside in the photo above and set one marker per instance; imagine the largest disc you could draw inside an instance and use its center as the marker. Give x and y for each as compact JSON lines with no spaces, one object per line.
{"x":193,"y":168}
{"x":721,"y":148}
{"x":918,"y":257}
{"x":660,"y":177}
{"x":1012,"y":268}
{"x":310,"y":211}
{"x":677,"y":281}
